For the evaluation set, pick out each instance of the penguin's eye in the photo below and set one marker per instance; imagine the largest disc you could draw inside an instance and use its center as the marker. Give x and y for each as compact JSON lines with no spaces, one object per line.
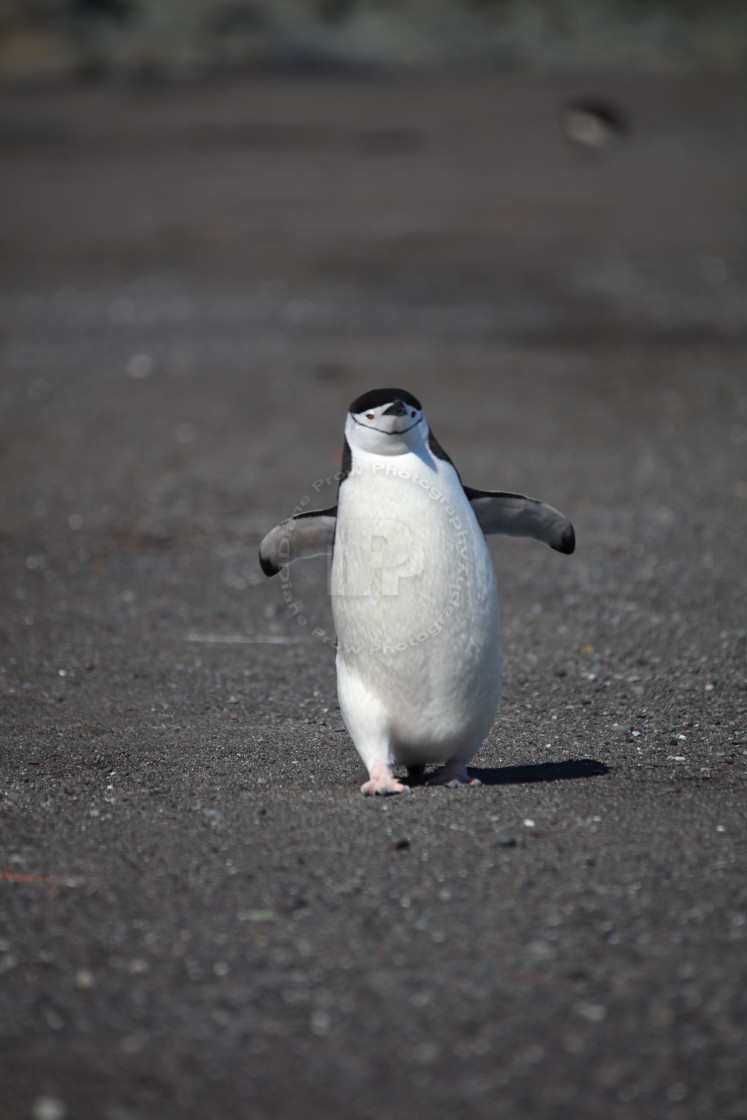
{"x":369,"y":416}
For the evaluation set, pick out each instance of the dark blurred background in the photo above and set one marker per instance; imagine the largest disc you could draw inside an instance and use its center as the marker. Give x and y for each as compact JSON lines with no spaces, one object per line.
{"x":59,"y":39}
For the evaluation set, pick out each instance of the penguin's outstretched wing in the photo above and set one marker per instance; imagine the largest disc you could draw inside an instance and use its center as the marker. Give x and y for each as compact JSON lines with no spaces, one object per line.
{"x":307,"y":534}
{"x":513,"y":515}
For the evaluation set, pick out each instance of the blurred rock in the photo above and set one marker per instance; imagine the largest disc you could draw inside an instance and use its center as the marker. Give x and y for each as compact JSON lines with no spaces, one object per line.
{"x":593,"y":122}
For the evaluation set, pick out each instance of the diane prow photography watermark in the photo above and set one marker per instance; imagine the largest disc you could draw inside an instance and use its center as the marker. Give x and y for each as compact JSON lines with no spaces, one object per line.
{"x":376,"y":558}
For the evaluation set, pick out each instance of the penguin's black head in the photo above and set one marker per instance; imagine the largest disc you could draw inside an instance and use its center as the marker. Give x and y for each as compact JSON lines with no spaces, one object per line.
{"x":375,"y":398}
{"x":386,"y":422}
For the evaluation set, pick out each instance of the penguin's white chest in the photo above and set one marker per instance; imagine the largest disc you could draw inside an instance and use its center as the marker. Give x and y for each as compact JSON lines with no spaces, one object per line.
{"x":415,"y":606}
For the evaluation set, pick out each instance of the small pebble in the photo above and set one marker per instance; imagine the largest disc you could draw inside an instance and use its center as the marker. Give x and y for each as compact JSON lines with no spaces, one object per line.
{"x":132,"y":1043}
{"x":140,"y":366}
{"x":257,"y":916}
{"x":592,"y":1012}
{"x":320,"y":1022}
{"x":84,"y":979}
{"x":185,"y":433}
{"x":48,"y":1108}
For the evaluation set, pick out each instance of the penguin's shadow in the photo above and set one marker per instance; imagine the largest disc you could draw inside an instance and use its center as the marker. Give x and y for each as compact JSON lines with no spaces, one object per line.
{"x":566,"y":771}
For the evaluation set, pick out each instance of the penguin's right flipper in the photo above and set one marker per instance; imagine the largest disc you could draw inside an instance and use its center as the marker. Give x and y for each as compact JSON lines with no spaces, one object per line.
{"x":513,"y":515}
{"x":308,"y":534}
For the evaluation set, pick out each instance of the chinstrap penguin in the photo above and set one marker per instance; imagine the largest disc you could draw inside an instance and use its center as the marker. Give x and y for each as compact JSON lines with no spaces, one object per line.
{"x":413,"y":591}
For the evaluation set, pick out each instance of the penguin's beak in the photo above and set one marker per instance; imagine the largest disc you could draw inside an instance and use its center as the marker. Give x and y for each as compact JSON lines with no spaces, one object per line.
{"x":397,"y":408}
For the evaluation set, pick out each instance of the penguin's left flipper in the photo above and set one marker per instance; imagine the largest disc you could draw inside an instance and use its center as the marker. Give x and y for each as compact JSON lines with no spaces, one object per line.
{"x":307,"y":534}
{"x":513,"y":515}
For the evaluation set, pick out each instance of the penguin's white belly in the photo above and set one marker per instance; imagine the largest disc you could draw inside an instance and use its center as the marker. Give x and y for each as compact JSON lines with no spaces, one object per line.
{"x":416,"y":613}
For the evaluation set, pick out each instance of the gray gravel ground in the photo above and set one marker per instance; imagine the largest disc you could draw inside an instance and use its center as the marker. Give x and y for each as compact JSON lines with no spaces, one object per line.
{"x":200,"y":915}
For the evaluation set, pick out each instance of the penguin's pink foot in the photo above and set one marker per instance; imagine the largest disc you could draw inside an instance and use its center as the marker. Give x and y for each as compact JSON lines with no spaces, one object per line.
{"x":382,"y":781}
{"x":453,"y":775}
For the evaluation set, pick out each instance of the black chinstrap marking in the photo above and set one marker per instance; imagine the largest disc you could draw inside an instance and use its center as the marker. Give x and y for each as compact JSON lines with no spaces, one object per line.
{"x":373,"y":427}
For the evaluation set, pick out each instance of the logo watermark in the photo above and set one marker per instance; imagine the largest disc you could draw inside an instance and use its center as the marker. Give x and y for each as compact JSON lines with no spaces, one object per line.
{"x":379,"y":560}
